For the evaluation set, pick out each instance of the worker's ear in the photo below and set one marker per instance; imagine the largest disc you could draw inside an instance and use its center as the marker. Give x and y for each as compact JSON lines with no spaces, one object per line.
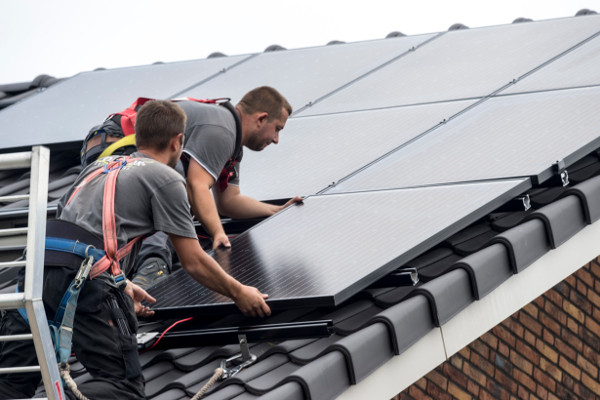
{"x":261,"y":119}
{"x":177,"y":142}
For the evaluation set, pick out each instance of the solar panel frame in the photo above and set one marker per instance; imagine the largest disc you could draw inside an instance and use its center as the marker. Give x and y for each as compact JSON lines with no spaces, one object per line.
{"x":481,"y":199}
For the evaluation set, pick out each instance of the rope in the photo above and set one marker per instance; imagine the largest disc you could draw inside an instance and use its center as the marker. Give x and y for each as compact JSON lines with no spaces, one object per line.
{"x":218,"y":373}
{"x":64,"y":373}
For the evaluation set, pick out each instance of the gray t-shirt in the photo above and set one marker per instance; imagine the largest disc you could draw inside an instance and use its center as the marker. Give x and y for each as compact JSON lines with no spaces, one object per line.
{"x":210,"y":137}
{"x":149,"y":196}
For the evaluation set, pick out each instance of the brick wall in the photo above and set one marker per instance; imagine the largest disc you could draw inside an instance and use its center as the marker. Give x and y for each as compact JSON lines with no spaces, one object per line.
{"x":550,"y":349}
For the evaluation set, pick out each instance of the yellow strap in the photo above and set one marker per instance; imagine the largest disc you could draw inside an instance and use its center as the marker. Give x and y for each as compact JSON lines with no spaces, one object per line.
{"x":126,"y":141}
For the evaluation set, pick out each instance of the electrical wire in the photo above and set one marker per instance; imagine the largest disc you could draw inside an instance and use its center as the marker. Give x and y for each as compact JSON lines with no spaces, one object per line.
{"x":166,"y":330}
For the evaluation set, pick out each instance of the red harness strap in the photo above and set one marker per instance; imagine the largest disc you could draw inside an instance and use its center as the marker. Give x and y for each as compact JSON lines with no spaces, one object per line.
{"x":109,"y":227}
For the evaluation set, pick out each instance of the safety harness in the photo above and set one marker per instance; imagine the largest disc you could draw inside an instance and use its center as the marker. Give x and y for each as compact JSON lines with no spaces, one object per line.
{"x":95,"y":262}
{"x":125,"y":120}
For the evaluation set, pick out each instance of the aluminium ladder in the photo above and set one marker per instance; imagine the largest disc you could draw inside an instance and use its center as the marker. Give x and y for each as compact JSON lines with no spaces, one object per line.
{"x":31,"y":299}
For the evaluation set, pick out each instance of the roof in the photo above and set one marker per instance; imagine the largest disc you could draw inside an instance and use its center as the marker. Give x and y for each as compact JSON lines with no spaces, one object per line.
{"x":428,"y":93}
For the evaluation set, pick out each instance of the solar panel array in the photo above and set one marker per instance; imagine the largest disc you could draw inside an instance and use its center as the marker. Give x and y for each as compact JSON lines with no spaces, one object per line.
{"x":402,"y":141}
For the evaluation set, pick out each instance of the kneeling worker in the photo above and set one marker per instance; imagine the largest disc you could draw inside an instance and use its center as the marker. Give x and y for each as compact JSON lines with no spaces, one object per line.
{"x":112,"y":201}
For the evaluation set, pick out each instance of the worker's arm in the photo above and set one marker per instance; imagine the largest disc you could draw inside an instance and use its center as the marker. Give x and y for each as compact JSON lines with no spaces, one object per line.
{"x":234,"y":204}
{"x":205,"y":270}
{"x":199,"y":182}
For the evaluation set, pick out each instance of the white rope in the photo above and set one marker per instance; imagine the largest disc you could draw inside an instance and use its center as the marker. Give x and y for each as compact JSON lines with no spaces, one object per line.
{"x":70,"y":382}
{"x":218,"y":373}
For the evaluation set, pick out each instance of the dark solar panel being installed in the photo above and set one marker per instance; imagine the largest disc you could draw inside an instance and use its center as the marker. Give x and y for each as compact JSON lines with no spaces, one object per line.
{"x":506,"y":136}
{"x":68,"y":110}
{"x":315,"y":151}
{"x":304,"y":75}
{"x":324,"y":251}
{"x":462,"y":64}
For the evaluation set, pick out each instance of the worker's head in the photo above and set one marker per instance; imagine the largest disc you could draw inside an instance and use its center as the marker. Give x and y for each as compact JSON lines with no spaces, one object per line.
{"x":100,"y":138}
{"x":264,"y":112}
{"x":159,"y":127}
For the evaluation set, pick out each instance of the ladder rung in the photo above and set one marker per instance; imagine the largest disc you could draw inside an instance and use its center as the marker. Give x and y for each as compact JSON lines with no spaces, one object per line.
{"x":13,"y":232}
{"x":14,"y":338}
{"x":14,"y":198}
{"x":20,"y":370}
{"x":9,"y":301}
{"x":12,"y":264}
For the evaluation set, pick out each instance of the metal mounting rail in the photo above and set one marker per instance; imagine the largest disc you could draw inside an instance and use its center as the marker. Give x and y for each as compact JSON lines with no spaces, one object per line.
{"x":31,"y":299}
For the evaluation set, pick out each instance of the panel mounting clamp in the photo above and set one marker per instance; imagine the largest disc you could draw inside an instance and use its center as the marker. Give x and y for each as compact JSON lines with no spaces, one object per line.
{"x":526,"y":201}
{"x":560,"y":168}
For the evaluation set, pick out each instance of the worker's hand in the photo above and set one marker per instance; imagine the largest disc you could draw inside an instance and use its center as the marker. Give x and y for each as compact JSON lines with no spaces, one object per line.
{"x":221,"y":240}
{"x":252,"y":302}
{"x":293,"y":201}
{"x":138,"y":295}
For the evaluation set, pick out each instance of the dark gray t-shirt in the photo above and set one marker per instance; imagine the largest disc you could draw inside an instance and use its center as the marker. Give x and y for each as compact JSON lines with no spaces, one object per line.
{"x":149,"y":196}
{"x":210,"y":137}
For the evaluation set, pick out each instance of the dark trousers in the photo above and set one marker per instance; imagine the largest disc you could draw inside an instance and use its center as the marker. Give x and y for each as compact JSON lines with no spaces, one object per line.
{"x":110,"y":357}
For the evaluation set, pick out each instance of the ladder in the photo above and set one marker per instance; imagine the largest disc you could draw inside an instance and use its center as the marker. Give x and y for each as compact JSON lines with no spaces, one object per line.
{"x":31,"y":298}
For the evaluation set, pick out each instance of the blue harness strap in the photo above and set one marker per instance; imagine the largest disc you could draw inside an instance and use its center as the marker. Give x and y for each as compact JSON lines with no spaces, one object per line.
{"x":73,"y":247}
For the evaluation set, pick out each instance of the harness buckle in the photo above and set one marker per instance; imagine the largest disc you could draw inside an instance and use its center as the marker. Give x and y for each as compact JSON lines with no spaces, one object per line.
{"x":120,"y":279}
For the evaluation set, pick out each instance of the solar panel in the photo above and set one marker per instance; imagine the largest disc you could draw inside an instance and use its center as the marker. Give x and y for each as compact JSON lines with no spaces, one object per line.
{"x":581,"y":67}
{"x":67,"y":111}
{"x":507,"y":136}
{"x":304,"y":75}
{"x":326,"y":250}
{"x":314,"y":151}
{"x":462,"y":64}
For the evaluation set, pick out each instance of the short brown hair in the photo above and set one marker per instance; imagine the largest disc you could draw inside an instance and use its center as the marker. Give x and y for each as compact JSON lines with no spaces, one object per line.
{"x":157,"y":122}
{"x":265,"y":99}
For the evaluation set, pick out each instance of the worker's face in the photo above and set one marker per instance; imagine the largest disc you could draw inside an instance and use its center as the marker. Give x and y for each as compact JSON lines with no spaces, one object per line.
{"x":267,"y":132}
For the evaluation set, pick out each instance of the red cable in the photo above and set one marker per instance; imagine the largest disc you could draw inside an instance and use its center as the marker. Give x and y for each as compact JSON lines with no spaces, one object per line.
{"x":167,"y":330}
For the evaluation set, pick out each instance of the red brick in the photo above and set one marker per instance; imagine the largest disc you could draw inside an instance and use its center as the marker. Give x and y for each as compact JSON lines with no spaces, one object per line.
{"x":542,"y":392}
{"x":531,"y":310}
{"x":549,"y":323}
{"x":457,"y":361}
{"x":572,"y":340}
{"x":574,"y":311}
{"x":548,"y":337}
{"x":503,"y":349}
{"x":571,"y":280}
{"x":580,"y":301}
{"x":591,"y":355}
{"x":556,"y":313}
{"x":523,"y":393}
{"x":514,"y":326}
{"x":554,"y":297}
{"x":503,"y":364}
{"x":482,"y":364}
{"x":591,"y":383}
{"x":569,"y":368}
{"x":465,"y":352}
{"x":529,"y":337}
{"x":596,"y":313}
{"x":587,"y":366}
{"x":551,"y":369}
{"x":547,"y":351}
{"x":585,"y":276}
{"x":539,"y":301}
{"x":530,"y":324}
{"x":422,"y":383}
{"x":455,"y":375}
{"x":438,"y":379}
{"x":594,"y":297}
{"x":417,"y":394}
{"x":588,"y":337}
{"x":481,"y":348}
{"x":483,"y":395}
{"x":474,"y":374}
{"x":437,"y":393}
{"x":524,"y":379}
{"x":595,"y":268}
{"x":581,"y":288}
{"x":473,"y":388}
{"x":544,"y":380}
{"x":562,"y":288}
{"x":504,"y":334}
{"x":568,"y":381}
{"x":583,"y":392}
{"x":458,"y":392}
{"x":564,"y":394}
{"x":572,"y":325}
{"x":505,"y":381}
{"x":528,"y":352}
{"x":565,"y":349}
{"x":592,"y":326}
{"x":521,"y":362}
{"x":490,"y":339}
{"x":497,"y":391}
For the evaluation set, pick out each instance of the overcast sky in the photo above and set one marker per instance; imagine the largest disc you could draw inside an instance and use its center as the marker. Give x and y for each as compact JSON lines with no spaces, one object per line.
{"x":64,"y":37}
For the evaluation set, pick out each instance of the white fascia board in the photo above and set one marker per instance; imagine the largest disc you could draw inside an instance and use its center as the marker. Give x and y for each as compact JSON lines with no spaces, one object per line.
{"x":481,"y":316}
{"x":401,"y":371}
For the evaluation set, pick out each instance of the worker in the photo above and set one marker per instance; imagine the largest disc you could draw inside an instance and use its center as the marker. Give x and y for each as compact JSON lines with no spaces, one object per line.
{"x":215,"y":137}
{"x":114,"y":202}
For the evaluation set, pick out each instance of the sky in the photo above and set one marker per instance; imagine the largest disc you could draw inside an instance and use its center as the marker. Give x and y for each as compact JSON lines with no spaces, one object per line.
{"x":64,"y":37}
